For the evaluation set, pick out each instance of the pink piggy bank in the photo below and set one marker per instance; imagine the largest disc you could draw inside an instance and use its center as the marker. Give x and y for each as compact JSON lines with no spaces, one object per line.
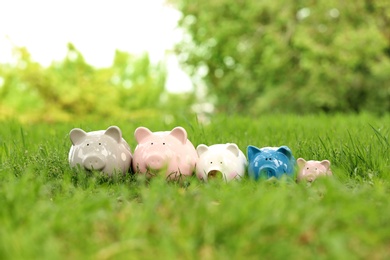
{"x":103,"y":150}
{"x":168,"y":151}
{"x":310,"y":170}
{"x":225,"y":161}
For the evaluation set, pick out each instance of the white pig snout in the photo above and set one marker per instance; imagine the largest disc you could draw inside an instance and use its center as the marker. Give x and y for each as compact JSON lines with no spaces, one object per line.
{"x":215,"y":174}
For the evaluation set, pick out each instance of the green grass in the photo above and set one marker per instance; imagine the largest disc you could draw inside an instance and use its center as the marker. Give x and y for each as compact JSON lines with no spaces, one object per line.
{"x":51,"y":212}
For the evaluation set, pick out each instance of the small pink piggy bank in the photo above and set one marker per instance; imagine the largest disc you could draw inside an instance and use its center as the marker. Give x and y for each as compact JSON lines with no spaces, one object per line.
{"x":310,"y":170}
{"x":168,"y":151}
{"x":225,"y":161}
{"x":103,"y":150}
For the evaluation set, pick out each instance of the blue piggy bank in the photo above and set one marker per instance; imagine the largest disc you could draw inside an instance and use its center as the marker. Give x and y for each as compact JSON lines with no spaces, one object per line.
{"x":270,"y":162}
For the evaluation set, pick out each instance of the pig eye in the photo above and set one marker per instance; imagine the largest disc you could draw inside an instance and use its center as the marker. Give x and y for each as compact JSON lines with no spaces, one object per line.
{"x":163,"y":143}
{"x":87,"y":144}
{"x":307,"y":168}
{"x":221,"y":162}
{"x":316,"y":168}
{"x":211,"y":162}
{"x":151,"y":143}
{"x":100,"y":143}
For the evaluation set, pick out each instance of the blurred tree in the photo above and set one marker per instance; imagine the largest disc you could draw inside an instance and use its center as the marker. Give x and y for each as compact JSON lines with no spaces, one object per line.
{"x":298,"y":56}
{"x":132,"y":87}
{"x":139,"y":84}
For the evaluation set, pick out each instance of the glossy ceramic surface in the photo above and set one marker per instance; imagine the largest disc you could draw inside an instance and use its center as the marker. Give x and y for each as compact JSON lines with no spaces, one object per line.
{"x":224,"y":161}
{"x":270,"y":162}
{"x":103,"y":150}
{"x":310,"y":170}
{"x":168,"y":151}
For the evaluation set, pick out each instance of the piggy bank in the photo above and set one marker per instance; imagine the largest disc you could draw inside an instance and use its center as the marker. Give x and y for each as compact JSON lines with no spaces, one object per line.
{"x":225,"y":161}
{"x":169,"y":151}
{"x":270,"y":162}
{"x":103,"y":150}
{"x":310,"y":170}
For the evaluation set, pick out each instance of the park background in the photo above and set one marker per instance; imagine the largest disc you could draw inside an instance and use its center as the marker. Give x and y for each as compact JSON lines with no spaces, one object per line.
{"x":313,"y":75}
{"x":236,"y":57}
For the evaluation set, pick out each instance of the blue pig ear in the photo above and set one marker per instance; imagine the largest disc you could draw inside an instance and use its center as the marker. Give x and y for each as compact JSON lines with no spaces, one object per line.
{"x":251,"y":151}
{"x":77,"y":136}
{"x":286,"y":151}
{"x":115,"y":133}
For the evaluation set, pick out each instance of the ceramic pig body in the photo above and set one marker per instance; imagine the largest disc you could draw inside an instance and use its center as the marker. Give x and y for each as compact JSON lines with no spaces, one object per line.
{"x":103,"y":150}
{"x":168,"y":151}
{"x":224,"y":161}
{"x":270,"y":162}
{"x":310,"y":170}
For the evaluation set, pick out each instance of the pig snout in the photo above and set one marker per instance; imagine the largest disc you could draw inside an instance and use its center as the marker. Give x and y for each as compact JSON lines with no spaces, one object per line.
{"x":310,"y":175}
{"x":267,"y":171}
{"x":94,"y":162}
{"x":214,"y":174}
{"x":155,"y":161}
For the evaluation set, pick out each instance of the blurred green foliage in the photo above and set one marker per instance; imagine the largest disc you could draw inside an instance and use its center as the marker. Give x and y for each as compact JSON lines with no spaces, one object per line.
{"x":131,"y":88}
{"x":295,"y":56}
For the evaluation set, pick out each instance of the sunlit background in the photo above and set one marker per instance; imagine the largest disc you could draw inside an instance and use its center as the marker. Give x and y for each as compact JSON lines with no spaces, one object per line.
{"x":97,"y":28}
{"x":64,"y":59}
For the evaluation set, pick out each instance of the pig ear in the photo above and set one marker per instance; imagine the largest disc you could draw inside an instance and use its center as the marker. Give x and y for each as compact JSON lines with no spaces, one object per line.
{"x":301,"y":162}
{"x":326,"y":164}
{"x":201,"y":149}
{"x":141,"y":133}
{"x":77,"y":135}
{"x":233,"y":148}
{"x":179,"y":133}
{"x":114,"y":132}
{"x":286,"y":151}
{"x":251,"y":151}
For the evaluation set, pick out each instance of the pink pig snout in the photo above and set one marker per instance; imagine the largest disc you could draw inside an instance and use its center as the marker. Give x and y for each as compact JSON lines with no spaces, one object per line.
{"x":94,"y":162}
{"x":311,"y":174}
{"x":155,"y":161}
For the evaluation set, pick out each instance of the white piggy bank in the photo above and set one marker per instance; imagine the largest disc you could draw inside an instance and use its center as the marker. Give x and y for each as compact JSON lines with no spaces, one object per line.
{"x":225,"y":161}
{"x":103,"y":150}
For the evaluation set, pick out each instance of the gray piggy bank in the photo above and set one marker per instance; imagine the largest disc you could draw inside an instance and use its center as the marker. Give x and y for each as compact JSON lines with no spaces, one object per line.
{"x":103,"y":150}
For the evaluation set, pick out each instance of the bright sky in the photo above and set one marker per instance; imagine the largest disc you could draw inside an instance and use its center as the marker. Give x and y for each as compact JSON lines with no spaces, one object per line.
{"x":96,"y":28}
